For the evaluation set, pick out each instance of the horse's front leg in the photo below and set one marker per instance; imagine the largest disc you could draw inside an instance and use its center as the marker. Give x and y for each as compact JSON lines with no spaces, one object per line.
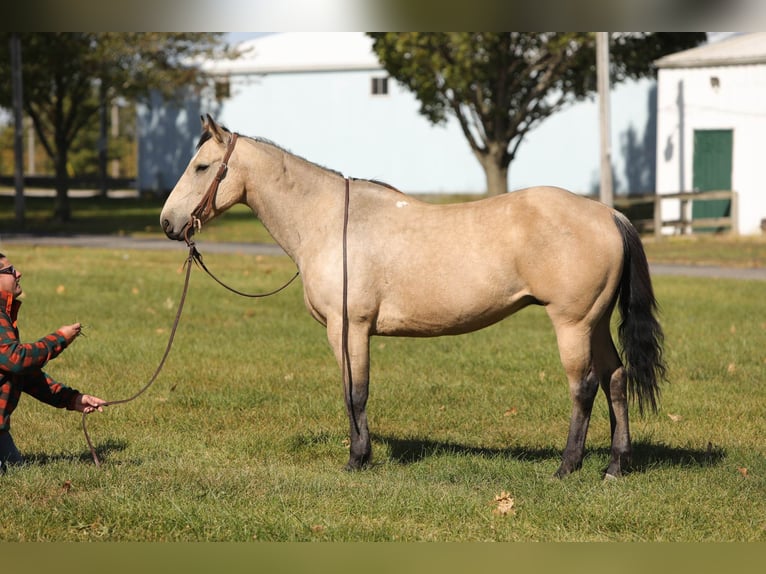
{"x":354,"y":361}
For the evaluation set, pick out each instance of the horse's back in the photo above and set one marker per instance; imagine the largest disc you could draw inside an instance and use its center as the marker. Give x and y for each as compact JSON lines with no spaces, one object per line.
{"x":441,"y":269}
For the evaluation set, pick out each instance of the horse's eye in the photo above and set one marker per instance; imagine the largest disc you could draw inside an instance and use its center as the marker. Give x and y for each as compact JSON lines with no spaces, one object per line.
{"x":202,"y":167}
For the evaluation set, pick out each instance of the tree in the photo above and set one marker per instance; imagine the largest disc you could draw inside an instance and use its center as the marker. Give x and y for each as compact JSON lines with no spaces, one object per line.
{"x":500,"y":86}
{"x":69,"y":77}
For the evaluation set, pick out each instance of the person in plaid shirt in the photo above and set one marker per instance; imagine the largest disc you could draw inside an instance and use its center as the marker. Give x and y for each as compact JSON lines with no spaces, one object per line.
{"x":21,"y":365}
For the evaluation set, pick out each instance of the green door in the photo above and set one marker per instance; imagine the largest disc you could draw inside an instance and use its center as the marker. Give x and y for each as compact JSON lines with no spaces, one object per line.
{"x":712,"y":171}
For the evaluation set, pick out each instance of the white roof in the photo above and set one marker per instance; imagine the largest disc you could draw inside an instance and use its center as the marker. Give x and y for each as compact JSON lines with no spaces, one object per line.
{"x":300,"y":52}
{"x":735,"y":50}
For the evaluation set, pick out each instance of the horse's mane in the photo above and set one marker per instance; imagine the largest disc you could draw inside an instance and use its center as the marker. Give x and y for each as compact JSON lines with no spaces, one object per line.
{"x":206,"y":135}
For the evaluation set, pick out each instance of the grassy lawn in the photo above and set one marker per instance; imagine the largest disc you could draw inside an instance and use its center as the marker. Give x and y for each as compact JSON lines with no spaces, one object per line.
{"x":243,"y":436}
{"x":724,"y":250}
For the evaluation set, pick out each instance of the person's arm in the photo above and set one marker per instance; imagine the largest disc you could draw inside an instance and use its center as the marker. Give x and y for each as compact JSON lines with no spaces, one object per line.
{"x":18,"y":358}
{"x":44,"y":388}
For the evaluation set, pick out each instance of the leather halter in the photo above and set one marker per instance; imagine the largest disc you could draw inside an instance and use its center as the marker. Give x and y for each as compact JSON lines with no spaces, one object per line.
{"x":205,"y":205}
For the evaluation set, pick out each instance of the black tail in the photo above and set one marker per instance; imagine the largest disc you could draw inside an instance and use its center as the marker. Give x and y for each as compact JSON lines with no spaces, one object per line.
{"x":640,"y":332}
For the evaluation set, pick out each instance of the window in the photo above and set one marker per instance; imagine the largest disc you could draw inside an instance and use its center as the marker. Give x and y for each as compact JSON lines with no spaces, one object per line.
{"x":379,"y":86}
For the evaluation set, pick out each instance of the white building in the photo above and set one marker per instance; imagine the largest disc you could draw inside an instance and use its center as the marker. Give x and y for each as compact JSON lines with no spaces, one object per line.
{"x":325,"y":96}
{"x":711,"y":127}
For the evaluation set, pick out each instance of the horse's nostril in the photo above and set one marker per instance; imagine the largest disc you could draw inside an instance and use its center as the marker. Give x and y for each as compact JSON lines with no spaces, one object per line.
{"x":165,"y":225}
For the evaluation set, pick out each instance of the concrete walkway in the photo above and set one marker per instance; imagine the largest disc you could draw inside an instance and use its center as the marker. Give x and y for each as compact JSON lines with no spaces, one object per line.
{"x":117,"y":242}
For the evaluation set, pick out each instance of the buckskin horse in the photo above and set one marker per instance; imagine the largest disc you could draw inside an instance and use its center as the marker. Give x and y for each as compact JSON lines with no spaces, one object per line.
{"x":375,"y":261}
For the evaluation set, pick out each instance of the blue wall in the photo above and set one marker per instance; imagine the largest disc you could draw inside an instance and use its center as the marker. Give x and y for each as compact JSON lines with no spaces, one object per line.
{"x":331,"y":118}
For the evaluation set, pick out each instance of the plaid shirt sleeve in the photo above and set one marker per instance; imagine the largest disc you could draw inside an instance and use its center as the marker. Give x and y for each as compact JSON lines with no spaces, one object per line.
{"x":18,"y":358}
{"x":21,"y":369}
{"x":42,"y":387}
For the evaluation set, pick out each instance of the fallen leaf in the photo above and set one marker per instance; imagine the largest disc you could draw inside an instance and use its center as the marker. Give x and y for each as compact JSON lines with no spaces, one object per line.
{"x":135,"y":291}
{"x":731,"y":369}
{"x":317,"y":528}
{"x":512,"y":412}
{"x":675,"y":418}
{"x":66,"y":486}
{"x":60,"y":289}
{"x":742,"y":470}
{"x":733,"y":329}
{"x":504,"y":504}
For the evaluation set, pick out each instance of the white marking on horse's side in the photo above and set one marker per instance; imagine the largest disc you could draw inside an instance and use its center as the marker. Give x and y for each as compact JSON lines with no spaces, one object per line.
{"x":401,"y":204}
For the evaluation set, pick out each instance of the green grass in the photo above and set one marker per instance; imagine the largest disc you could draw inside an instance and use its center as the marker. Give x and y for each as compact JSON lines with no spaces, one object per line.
{"x":725,"y":250}
{"x":243,"y":435}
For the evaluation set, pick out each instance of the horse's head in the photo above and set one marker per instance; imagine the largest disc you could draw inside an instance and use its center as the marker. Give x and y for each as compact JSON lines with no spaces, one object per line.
{"x":209,"y":185}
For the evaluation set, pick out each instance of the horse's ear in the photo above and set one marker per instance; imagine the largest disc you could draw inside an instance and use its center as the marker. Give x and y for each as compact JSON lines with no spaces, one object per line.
{"x":209,"y":125}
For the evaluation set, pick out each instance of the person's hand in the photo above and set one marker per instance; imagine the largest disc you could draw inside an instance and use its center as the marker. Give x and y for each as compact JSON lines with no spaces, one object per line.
{"x":71,"y":332}
{"x":88,"y":403}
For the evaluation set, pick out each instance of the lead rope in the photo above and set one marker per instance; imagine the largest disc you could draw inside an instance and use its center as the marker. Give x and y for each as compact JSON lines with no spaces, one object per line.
{"x":196,"y":257}
{"x":198,"y":261}
{"x":344,"y":321}
{"x":192,"y":256}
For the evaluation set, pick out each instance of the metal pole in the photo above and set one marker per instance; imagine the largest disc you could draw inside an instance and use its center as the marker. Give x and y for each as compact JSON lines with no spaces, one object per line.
{"x":18,"y":139}
{"x":602,"y":74}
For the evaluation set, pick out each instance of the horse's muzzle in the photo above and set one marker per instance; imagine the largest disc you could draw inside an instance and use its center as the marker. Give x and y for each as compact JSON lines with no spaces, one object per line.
{"x":177,"y":235}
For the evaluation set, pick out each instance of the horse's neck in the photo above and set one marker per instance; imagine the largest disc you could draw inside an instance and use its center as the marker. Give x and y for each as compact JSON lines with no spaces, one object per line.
{"x":292,"y":197}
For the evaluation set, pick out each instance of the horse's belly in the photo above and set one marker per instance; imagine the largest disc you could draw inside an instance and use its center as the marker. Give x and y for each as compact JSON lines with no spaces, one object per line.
{"x":430,"y":317}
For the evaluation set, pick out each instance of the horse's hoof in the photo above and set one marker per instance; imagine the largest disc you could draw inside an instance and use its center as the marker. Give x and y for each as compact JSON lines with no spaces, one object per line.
{"x":354,"y":466}
{"x":610,"y":477}
{"x":561,"y":473}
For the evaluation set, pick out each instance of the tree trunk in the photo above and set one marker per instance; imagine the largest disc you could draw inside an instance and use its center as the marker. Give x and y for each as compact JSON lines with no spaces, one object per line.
{"x":102,"y":139}
{"x":61,"y":211}
{"x":496,"y":172}
{"x":18,"y":148}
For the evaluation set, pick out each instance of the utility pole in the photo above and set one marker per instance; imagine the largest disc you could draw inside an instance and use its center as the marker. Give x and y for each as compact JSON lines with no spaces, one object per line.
{"x":606,"y":194}
{"x":18,"y":134}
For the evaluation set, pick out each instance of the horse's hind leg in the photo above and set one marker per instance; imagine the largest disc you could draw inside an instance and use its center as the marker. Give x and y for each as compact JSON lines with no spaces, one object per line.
{"x":355,"y":387}
{"x":574,"y":341}
{"x":614,"y":384}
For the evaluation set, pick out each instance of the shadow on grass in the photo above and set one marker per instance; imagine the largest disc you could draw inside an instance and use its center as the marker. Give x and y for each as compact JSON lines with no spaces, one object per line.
{"x":103,"y":451}
{"x":646,"y":455}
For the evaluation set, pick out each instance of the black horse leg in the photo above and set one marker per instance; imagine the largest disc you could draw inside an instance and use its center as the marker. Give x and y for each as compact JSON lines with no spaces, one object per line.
{"x":614,"y":387}
{"x":574,"y":343}
{"x":582,"y":405}
{"x":353,"y":356}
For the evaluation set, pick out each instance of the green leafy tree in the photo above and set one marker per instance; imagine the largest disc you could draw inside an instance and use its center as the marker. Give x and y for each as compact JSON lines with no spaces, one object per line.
{"x":70,"y":78}
{"x":500,"y":86}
